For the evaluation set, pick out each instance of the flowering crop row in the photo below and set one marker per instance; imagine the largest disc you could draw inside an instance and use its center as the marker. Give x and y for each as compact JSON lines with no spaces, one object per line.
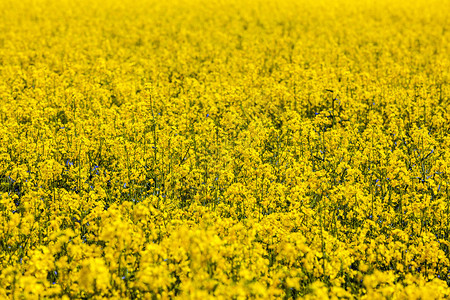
{"x":224,"y":149}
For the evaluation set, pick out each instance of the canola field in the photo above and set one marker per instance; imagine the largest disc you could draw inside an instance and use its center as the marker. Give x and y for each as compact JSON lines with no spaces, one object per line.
{"x":234,"y":149}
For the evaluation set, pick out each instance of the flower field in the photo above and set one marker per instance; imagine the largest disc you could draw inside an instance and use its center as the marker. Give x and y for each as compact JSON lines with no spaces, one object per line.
{"x":235,"y":149}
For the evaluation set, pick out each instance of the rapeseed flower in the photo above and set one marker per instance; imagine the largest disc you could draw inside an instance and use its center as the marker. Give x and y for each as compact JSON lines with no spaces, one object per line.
{"x":239,"y":149}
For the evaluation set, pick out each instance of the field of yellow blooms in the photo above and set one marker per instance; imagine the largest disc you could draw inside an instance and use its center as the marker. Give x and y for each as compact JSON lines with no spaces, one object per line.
{"x":233,"y":149}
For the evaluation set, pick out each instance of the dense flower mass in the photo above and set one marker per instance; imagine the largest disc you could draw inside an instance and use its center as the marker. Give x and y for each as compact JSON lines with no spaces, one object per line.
{"x":237,"y":149}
